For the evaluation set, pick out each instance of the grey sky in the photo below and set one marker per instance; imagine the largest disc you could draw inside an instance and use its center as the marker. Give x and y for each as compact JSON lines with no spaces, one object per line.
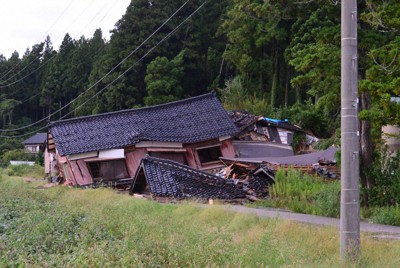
{"x":24,"y":23}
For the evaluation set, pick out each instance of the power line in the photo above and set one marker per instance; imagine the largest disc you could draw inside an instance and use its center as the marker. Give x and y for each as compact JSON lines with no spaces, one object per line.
{"x":145,"y":55}
{"x":47,"y":61}
{"x":121,"y":75}
{"x":107,"y":74}
{"x":45,"y":34}
{"x":15,"y":92}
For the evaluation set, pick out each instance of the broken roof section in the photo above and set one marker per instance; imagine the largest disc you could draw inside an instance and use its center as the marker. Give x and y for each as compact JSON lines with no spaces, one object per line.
{"x":187,"y":121}
{"x":243,"y":119}
{"x":166,"y":178}
{"x":261,"y":149}
{"x":327,"y":156}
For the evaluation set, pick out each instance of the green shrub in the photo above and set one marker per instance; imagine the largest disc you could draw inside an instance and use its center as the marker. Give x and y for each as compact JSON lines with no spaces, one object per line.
{"x":308,"y":116}
{"x":327,"y":201}
{"x":25,"y":170}
{"x":295,"y":185}
{"x":304,"y":194}
{"x":386,"y":172}
{"x":386,"y":215}
{"x":17,"y":155}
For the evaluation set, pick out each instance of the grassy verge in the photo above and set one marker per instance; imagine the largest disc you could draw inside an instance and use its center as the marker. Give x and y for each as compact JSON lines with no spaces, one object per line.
{"x":62,"y":227}
{"x":35,"y":171}
{"x":304,"y":194}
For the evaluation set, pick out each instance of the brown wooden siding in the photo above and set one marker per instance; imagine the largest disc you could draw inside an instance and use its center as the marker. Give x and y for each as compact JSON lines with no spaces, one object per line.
{"x":227,"y":149}
{"x":77,"y":173}
{"x":85,"y":171}
{"x":133,"y":159}
{"x":191,"y":158}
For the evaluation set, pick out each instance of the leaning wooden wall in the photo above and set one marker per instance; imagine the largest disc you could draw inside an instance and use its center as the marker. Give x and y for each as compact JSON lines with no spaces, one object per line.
{"x":227,"y":149}
{"x":133,"y":157}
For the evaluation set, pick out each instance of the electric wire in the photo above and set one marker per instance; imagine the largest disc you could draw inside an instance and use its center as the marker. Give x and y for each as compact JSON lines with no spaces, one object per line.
{"x":44,"y":35}
{"x":145,"y":55}
{"x":121,"y":75}
{"x":105,"y":15}
{"x":16,"y":91}
{"x":98,"y":81}
{"x":47,"y":61}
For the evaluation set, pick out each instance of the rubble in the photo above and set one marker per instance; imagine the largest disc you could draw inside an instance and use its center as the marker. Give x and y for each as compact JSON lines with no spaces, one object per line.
{"x":253,"y":179}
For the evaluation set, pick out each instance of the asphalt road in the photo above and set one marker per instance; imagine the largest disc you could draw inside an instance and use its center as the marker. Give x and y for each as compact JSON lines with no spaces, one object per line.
{"x":378,"y":230}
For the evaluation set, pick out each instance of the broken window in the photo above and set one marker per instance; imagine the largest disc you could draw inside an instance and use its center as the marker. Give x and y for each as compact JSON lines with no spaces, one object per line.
{"x":108,"y":170}
{"x":209,"y":154}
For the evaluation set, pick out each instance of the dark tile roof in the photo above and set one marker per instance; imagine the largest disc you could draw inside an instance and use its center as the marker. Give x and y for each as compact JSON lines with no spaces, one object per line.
{"x":243,"y":119}
{"x":38,"y":138}
{"x":187,"y":121}
{"x":167,"y":178}
{"x":260,"y":179}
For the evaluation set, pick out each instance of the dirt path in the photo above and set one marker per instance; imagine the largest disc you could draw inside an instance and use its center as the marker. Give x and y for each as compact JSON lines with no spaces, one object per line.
{"x":378,"y":230}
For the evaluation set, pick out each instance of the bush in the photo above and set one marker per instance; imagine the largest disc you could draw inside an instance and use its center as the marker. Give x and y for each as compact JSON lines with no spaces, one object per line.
{"x":308,"y":117}
{"x":25,"y":170}
{"x":305,"y":194}
{"x":18,"y":155}
{"x":386,"y":172}
{"x":295,"y":185}
{"x":327,"y":201}
{"x":386,"y":215}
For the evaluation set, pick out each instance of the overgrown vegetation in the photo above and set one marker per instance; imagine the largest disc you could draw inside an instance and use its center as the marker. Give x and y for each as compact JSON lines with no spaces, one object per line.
{"x":304,"y":194}
{"x":35,"y":171}
{"x":383,"y":197}
{"x":17,"y":155}
{"x":64,"y":227}
{"x":312,"y":195}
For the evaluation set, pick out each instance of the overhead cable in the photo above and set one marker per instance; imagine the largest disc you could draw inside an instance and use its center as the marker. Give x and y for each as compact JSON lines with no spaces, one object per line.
{"x":107,"y":74}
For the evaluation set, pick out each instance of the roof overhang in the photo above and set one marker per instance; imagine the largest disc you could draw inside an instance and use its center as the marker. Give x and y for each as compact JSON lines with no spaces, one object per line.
{"x":152,"y":144}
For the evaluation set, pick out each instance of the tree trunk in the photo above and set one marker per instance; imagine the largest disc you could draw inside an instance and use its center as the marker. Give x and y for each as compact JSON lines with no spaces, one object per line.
{"x":287,"y":90}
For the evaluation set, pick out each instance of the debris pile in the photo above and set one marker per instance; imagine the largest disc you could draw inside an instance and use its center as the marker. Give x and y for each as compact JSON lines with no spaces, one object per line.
{"x":321,"y":163}
{"x":254,"y":180}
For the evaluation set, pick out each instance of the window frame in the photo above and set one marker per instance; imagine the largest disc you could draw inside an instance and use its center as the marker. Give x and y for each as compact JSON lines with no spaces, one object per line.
{"x":205,"y":163}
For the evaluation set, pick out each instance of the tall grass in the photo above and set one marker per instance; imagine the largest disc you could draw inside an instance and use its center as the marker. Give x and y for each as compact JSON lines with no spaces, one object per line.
{"x":23,"y":170}
{"x":62,"y":227}
{"x":304,"y":193}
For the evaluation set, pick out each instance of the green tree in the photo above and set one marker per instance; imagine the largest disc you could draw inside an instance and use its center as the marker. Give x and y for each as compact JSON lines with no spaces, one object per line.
{"x":164,"y":80}
{"x":7,"y":109}
{"x":314,"y":53}
{"x":258,"y":33}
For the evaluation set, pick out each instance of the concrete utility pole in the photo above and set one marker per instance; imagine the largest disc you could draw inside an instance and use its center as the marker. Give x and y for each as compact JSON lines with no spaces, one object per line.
{"x":350,"y":169}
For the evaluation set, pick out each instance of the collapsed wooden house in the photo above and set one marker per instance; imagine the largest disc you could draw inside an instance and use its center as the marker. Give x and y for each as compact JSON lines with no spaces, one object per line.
{"x":321,"y":162}
{"x":259,"y":128}
{"x":109,"y":147}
